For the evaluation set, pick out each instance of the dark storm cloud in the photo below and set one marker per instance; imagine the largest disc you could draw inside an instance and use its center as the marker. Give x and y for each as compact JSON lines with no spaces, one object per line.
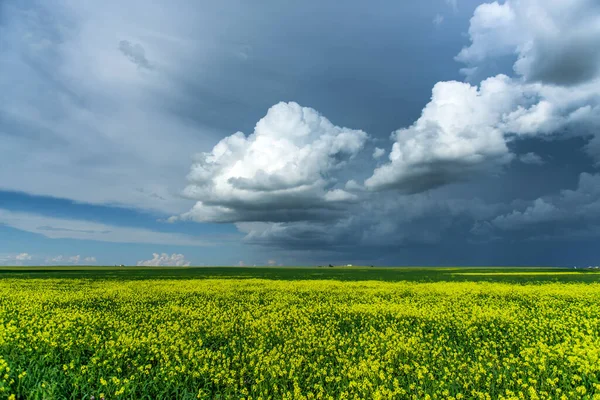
{"x":381,"y":222}
{"x":343,"y":73}
{"x":465,"y":140}
{"x":572,"y":212}
{"x":135,"y":53}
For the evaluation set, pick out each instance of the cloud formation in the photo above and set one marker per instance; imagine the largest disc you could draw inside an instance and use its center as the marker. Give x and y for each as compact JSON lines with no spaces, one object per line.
{"x":464,"y":132}
{"x":73,"y":260}
{"x":135,"y":53}
{"x":60,"y":228}
{"x":465,"y":128}
{"x":457,"y":135}
{"x":557,"y":46}
{"x":15,"y":259}
{"x":165,"y":260}
{"x":571,"y":212}
{"x":285,"y":170}
{"x":79,"y":116}
{"x":378,"y":153}
{"x":384,"y":221}
{"x":23,"y":257}
{"x":282,"y":184}
{"x":531,"y":158}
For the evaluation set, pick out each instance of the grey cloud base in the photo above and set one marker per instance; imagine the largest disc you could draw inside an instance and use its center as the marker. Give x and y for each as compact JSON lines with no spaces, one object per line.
{"x":288,"y":185}
{"x":99,"y":107}
{"x":284,"y":171}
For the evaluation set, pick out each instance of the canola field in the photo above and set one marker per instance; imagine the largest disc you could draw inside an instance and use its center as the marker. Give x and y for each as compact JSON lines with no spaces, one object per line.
{"x":81,"y":338}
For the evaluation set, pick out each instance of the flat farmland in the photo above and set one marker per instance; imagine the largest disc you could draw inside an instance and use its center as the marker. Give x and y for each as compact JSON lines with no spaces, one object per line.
{"x":299,"y":333}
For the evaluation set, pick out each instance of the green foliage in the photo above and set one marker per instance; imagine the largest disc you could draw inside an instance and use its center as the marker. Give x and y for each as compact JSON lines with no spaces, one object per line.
{"x":257,"y":338}
{"x":391,"y":274}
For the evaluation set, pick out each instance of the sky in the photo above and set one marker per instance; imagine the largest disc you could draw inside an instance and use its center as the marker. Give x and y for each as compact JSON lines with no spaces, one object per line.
{"x":438,"y":132}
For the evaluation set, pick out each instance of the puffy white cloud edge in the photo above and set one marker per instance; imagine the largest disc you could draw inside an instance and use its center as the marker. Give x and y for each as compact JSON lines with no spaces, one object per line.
{"x":165,"y":260}
{"x":284,"y":170}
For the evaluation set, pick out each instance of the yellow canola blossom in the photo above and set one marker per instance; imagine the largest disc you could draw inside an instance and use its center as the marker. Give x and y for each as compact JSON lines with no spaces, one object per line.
{"x":262,"y":339}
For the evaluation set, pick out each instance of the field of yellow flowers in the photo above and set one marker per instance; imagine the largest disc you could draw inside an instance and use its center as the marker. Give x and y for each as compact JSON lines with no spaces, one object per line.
{"x":261,"y":339}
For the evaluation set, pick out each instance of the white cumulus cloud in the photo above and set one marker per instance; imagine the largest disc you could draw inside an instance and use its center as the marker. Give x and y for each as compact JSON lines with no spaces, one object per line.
{"x":554,"y":42}
{"x":283,"y":171}
{"x":378,"y":152}
{"x":465,"y":128}
{"x":158,"y":260}
{"x":465,"y":131}
{"x":457,"y":134}
{"x":71,"y":260}
{"x":74,"y":259}
{"x":23,"y":257}
{"x":16,"y":259}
